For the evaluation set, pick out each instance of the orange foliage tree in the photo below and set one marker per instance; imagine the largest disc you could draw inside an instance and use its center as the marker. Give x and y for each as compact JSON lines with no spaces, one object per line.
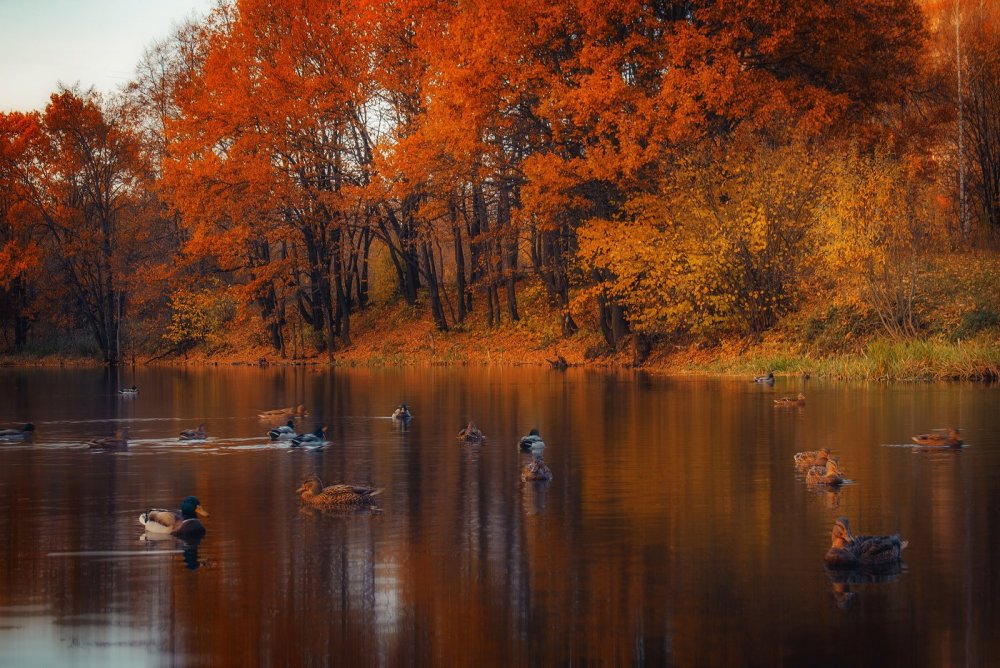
{"x":79,"y":176}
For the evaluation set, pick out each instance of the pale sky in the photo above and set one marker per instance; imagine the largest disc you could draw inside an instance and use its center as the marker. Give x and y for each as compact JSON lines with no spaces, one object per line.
{"x":94,"y":42}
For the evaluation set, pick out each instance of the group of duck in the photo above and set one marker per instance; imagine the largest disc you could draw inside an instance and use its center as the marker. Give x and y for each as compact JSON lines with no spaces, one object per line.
{"x":313,"y":492}
{"x":848,"y":551}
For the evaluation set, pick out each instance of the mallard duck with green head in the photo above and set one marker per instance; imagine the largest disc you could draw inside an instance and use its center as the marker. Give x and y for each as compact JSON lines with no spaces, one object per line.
{"x":18,"y":434}
{"x":533,"y":441}
{"x":284,"y":432}
{"x":402,"y":412}
{"x":314,"y":493}
{"x":850,"y":551}
{"x":314,"y":439}
{"x":183,"y":522}
{"x":198,"y":434}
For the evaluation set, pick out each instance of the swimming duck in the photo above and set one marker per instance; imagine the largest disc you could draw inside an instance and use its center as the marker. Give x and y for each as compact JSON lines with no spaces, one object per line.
{"x":471,"y":434}
{"x":939,"y":439}
{"x":533,"y":441}
{"x":537,"y":470}
{"x":768,"y":379}
{"x":292,"y":411}
{"x":825,"y":475}
{"x":850,"y":551}
{"x":402,"y":412}
{"x":791,"y":401}
{"x":806,"y":460}
{"x":183,"y":522}
{"x":17,"y":434}
{"x":313,"y":492}
{"x":119,"y":441}
{"x":194,"y":434}
{"x":129,"y":390}
{"x":317,"y":437}
{"x":283,"y":432}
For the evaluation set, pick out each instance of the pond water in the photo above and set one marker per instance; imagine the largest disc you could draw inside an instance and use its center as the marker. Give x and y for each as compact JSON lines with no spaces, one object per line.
{"x":675,"y":530}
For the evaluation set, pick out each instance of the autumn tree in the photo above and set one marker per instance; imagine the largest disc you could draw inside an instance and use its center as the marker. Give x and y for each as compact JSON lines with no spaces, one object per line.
{"x":82,"y":180}
{"x":20,"y":255}
{"x":277,"y":116}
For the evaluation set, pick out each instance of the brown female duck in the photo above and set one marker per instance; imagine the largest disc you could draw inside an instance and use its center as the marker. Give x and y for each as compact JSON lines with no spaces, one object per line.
{"x":949,"y":438}
{"x":279,"y":413}
{"x":118,"y":441}
{"x":825,"y":475}
{"x":788,"y":402}
{"x":471,"y":434}
{"x":806,"y":460}
{"x":850,"y":551}
{"x":312,"y":492}
{"x":537,"y":470}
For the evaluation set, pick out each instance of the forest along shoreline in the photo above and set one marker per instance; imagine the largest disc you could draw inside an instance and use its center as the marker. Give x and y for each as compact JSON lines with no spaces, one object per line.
{"x":638,"y":186}
{"x":393,"y":335}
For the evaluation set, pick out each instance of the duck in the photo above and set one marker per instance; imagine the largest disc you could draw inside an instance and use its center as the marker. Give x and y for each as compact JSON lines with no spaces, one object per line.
{"x":129,"y":390}
{"x":940,"y":439}
{"x":317,"y":437}
{"x":194,"y":434}
{"x":533,"y":441}
{"x":850,"y":551}
{"x":768,"y":379}
{"x":183,"y":522}
{"x":17,"y":434}
{"x":471,"y":434}
{"x":118,"y":441}
{"x":283,"y":432}
{"x":402,"y":412}
{"x":828,"y":474}
{"x":313,"y":492}
{"x":292,"y":411}
{"x":536,"y":471}
{"x":806,"y":460}
{"x":791,"y":401}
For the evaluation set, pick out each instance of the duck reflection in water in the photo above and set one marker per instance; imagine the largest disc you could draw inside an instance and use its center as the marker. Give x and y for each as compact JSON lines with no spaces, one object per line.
{"x":187,"y":545}
{"x":841,"y":580}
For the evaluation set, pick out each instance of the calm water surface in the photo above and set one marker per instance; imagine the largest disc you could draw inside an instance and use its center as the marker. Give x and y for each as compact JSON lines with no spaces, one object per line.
{"x":675,"y":530}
